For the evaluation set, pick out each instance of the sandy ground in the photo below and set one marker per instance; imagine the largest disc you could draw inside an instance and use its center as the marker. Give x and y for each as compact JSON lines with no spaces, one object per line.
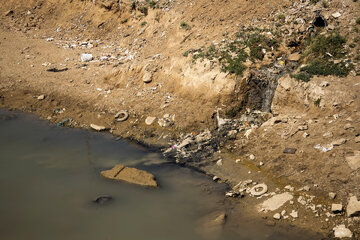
{"x":38,"y":36}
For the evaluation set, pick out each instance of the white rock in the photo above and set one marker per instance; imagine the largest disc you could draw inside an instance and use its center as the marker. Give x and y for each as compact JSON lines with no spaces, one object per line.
{"x":353,"y":207}
{"x":150,"y":120}
{"x":336,"y":208}
{"x":275,"y":202}
{"x":97,"y":127}
{"x":41,"y":97}
{"x":49,"y":39}
{"x":86,"y":57}
{"x":252,"y":157}
{"x":336,"y":15}
{"x":277,"y":216}
{"x":341,"y":231}
{"x":283,"y":212}
{"x":294,"y":214}
{"x":219,"y":162}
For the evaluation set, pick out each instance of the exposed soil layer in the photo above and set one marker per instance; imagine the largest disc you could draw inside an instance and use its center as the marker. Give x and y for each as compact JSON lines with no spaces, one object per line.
{"x":138,"y":66}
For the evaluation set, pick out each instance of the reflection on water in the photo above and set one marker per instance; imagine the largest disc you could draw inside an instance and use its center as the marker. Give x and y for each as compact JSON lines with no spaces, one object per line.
{"x":49,"y":177}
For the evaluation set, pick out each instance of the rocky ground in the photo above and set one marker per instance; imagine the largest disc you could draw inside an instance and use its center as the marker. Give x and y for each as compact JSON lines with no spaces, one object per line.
{"x":235,"y":94}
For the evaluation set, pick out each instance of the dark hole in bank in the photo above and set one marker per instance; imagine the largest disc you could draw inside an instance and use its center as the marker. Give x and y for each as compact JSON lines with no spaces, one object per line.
{"x":319,"y":21}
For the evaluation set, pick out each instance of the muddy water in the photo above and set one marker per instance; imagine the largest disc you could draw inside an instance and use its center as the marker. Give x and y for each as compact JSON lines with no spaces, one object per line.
{"x":49,"y":176}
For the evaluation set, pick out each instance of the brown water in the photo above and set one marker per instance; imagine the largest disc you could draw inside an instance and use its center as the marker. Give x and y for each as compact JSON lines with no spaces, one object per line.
{"x":49,"y":176}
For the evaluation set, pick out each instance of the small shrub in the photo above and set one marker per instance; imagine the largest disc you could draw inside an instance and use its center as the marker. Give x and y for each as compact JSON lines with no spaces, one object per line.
{"x":314,"y":1}
{"x":281,"y":17}
{"x":185,"y":26}
{"x":143,"y":23}
{"x":317,"y":102}
{"x":302,"y":76}
{"x":358,"y":20}
{"x":324,"y":3}
{"x":326,"y":69}
{"x":333,"y":44}
{"x":124,"y":21}
{"x":144,"y":10}
{"x":185,"y":54}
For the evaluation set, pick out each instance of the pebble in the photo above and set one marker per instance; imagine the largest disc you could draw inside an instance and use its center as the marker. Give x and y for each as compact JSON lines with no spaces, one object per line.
{"x":41,"y":97}
{"x":340,"y":231}
{"x":86,"y":57}
{"x":219,"y":162}
{"x":277,"y":216}
{"x":97,"y":127}
{"x":339,"y":142}
{"x":336,"y":208}
{"x":332,"y":195}
{"x":252,"y":157}
{"x":348,"y":126}
{"x":336,"y":15}
{"x":353,"y":207}
{"x":294,"y":214}
{"x":150,"y":120}
{"x":357,"y":139}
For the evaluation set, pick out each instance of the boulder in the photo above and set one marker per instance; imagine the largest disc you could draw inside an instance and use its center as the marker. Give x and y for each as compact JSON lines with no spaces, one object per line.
{"x":147,"y":77}
{"x":131,"y":175}
{"x":353,"y":207}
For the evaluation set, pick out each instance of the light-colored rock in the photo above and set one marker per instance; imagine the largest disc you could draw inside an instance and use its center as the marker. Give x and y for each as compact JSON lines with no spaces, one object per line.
{"x":252,"y":157}
{"x":348,"y":126}
{"x":275,"y":202}
{"x":336,"y":15}
{"x":131,"y":175}
{"x":340,"y":231}
{"x":147,"y":77}
{"x":86,"y":57}
{"x":41,"y":97}
{"x":354,"y":161}
{"x":219,"y":162}
{"x":97,"y":127}
{"x":353,"y":207}
{"x":277,"y":216}
{"x":328,"y":135}
{"x":294,"y":214}
{"x":336,"y":207}
{"x":150,"y":120}
{"x":332,"y":195}
{"x":294,"y":57}
{"x":339,"y":142}
{"x":357,"y":139}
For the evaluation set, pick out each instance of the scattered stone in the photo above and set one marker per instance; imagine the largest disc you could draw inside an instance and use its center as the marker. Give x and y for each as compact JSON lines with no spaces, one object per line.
{"x":131,"y":175}
{"x":348,"y":126}
{"x":277,"y":216}
{"x":216,"y":178}
{"x":275,"y":202}
{"x":50,"y":39}
{"x":305,"y":135}
{"x":332,"y":195}
{"x":54,"y":69}
{"x":336,"y":208}
{"x":328,"y":135}
{"x":294,"y":57}
{"x":150,"y":120}
{"x":283,"y":212}
{"x":259,"y":189}
{"x":41,"y":97}
{"x":8,"y":13}
{"x":102,"y":200}
{"x":336,"y":15}
{"x":147,"y":77}
{"x":353,"y":207}
{"x":219,"y":162}
{"x":97,"y":127}
{"x":301,"y":200}
{"x":86,"y":57}
{"x":252,"y":157}
{"x":340,"y":231}
{"x":325,"y":148}
{"x":339,"y":142}
{"x":357,"y":139}
{"x":294,"y":214}
{"x":290,"y":150}
{"x":354,"y":161}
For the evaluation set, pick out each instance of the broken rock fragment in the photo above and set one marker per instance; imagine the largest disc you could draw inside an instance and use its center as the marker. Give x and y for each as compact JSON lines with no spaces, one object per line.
{"x":353,"y":207}
{"x":131,"y":175}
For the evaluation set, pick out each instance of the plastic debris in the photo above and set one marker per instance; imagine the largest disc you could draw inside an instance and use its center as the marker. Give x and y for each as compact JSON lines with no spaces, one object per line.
{"x":323,"y":148}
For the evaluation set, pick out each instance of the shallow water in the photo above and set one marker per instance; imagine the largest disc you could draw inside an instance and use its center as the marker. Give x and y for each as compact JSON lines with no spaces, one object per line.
{"x":49,"y":176}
